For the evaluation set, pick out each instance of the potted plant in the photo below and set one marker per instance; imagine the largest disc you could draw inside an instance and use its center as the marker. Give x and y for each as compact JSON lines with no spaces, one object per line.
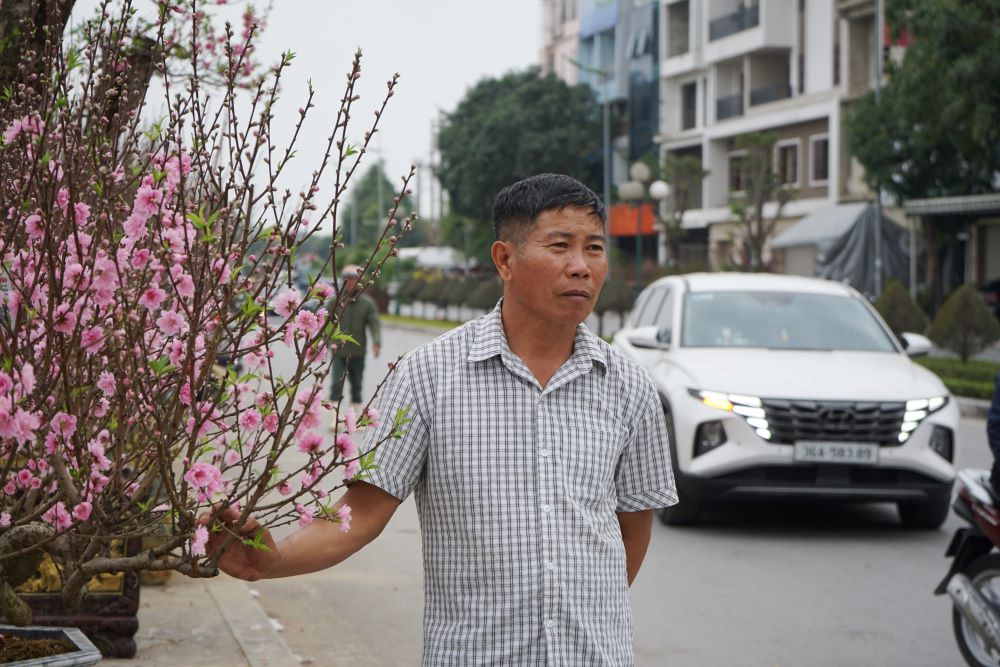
{"x":134,"y":256}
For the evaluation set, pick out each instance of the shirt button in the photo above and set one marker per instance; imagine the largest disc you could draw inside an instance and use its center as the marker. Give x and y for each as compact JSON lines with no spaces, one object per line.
{"x":546,"y":508}
{"x":550,"y":566}
{"x":544,"y":452}
{"x":549,"y":624}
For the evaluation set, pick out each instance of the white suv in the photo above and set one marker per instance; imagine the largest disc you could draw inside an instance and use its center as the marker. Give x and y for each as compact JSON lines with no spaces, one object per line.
{"x":787,"y":387}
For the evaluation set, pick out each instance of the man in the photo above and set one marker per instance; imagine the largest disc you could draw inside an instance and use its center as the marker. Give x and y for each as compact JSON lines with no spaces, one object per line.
{"x":536,"y":453}
{"x":357,"y":317}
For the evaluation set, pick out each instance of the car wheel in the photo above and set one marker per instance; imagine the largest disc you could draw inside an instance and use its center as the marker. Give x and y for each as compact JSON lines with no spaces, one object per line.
{"x":686,"y":511}
{"x":927,"y":515}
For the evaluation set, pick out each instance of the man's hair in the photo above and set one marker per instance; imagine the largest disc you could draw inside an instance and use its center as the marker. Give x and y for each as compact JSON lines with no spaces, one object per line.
{"x":518,"y":206}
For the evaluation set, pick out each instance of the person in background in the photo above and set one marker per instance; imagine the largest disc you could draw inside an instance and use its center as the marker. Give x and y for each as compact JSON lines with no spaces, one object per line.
{"x":358,"y":318}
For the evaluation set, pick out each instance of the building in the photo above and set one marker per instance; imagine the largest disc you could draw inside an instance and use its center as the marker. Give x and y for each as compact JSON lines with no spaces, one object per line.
{"x":786,"y":67}
{"x":725,"y":69}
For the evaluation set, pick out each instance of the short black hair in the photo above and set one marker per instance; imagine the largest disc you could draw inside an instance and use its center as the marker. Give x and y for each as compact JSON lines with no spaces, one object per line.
{"x":518,"y":205}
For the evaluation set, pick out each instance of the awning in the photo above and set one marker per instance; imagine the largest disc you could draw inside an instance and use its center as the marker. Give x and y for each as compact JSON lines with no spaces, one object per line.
{"x":824,"y":224}
{"x":969,"y":204}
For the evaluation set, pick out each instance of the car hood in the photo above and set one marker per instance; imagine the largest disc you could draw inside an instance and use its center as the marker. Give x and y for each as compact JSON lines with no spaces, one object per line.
{"x":840,"y":375}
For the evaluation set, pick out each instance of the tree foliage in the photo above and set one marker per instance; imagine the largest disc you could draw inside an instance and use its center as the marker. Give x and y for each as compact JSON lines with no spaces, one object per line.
{"x":684,"y":173}
{"x":964,"y":324}
{"x":936,"y":131}
{"x":761,"y":184}
{"x":512,"y":127}
{"x":899,"y":311}
{"x":366,"y":216}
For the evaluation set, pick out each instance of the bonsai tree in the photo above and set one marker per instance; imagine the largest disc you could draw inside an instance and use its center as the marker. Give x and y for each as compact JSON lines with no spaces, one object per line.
{"x":899,"y":311}
{"x":964,"y":325}
{"x":486,"y":295}
{"x":616,"y":296}
{"x":133,"y":257}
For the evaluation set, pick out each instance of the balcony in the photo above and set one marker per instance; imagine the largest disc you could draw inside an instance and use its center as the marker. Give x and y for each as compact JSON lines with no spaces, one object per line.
{"x":772,"y":93}
{"x":728,"y":107}
{"x":730,"y":24}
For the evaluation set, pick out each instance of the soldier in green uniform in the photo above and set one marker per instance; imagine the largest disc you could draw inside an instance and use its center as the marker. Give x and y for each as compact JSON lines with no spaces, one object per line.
{"x":356,"y":320}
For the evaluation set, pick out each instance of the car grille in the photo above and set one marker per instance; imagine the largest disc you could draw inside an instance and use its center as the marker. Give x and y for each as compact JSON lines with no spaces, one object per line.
{"x":791,"y":421}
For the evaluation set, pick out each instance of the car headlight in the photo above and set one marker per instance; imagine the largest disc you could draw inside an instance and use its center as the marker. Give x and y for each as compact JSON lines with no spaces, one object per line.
{"x":748,"y":407}
{"x":918,"y":410}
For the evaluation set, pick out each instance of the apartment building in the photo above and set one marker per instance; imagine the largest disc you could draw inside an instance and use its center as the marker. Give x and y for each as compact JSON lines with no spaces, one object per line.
{"x":724,"y":69}
{"x":786,"y":67}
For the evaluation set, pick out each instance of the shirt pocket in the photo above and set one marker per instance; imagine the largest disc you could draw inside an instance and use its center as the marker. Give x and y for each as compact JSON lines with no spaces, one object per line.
{"x":589,"y":453}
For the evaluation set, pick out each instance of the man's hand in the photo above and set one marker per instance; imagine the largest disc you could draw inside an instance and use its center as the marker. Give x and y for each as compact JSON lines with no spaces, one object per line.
{"x":240,"y":560}
{"x":376,"y":348}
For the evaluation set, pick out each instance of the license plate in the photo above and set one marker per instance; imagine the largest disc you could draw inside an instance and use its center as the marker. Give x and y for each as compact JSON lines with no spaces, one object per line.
{"x":854,"y":453}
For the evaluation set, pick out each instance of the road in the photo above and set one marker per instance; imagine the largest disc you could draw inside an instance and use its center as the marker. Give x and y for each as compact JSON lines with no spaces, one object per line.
{"x":770,"y":584}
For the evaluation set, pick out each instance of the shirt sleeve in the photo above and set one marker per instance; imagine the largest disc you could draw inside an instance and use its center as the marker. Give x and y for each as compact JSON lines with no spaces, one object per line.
{"x":399,"y":461}
{"x":644,"y":478}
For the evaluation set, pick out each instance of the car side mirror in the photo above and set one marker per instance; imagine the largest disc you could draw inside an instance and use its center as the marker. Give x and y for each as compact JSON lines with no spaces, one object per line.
{"x":915,"y":344}
{"x":650,"y":338}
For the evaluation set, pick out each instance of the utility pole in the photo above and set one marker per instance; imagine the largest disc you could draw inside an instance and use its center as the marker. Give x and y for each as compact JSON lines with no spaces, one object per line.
{"x":879,"y":48}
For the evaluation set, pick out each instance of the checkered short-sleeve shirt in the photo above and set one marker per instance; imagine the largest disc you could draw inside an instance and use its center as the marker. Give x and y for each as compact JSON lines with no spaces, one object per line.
{"x":517,"y":489}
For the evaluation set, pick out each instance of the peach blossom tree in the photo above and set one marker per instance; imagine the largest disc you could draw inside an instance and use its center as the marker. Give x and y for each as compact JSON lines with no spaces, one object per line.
{"x":145,"y":288}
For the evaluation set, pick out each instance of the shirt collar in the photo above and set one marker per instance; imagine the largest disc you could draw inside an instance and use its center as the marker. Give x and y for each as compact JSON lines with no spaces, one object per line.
{"x":490,"y":341}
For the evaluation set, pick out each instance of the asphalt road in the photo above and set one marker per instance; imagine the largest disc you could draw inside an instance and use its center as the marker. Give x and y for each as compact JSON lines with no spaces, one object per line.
{"x":768,"y":584}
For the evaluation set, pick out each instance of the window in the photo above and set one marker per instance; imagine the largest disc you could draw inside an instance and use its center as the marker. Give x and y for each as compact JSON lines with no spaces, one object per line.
{"x":736,"y":172}
{"x":689,"y":105}
{"x":651,"y":307}
{"x":787,"y":162}
{"x":819,"y":150}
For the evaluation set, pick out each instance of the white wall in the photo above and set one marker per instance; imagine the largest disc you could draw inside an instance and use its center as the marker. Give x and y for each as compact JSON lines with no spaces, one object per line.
{"x":819,"y":26}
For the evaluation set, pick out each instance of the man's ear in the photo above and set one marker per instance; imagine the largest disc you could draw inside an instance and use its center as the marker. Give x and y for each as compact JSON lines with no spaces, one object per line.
{"x":502,"y":253}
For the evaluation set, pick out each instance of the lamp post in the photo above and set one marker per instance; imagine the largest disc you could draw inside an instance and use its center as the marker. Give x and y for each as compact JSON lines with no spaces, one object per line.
{"x":634,"y":191}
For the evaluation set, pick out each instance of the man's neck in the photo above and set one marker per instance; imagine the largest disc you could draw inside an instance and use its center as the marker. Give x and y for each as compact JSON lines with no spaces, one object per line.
{"x":543,"y":345}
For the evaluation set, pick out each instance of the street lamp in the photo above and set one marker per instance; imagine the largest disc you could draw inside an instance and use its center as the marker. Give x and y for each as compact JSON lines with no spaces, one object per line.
{"x":635,"y":191}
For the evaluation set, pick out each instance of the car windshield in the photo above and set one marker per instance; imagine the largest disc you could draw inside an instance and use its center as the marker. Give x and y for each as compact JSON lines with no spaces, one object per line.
{"x":781,"y":321}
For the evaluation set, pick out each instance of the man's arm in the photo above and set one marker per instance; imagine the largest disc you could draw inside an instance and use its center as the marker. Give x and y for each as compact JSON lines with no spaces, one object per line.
{"x":636,"y":529}
{"x":315,"y":547}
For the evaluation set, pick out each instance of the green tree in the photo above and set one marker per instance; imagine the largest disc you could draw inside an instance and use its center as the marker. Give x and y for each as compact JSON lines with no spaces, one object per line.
{"x":684,"y":173}
{"x":515,"y":126}
{"x":761,"y":184}
{"x":937,"y":128}
{"x":472,"y":236}
{"x":899,"y":311}
{"x":370,"y":199}
{"x":964,"y":324}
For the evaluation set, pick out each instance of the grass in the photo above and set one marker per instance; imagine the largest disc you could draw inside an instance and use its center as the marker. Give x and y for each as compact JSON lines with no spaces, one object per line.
{"x":444,"y":325}
{"x":973,"y":379}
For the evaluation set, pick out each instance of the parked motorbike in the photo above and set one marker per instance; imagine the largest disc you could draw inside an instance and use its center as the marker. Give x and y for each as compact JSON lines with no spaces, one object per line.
{"x":973,"y":581}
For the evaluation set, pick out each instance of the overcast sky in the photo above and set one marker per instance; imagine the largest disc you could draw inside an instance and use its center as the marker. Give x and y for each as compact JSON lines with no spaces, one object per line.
{"x":439,"y":47}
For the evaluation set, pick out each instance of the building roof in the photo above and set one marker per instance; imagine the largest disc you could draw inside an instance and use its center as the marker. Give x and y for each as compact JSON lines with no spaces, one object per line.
{"x":987,"y":203}
{"x":823,"y":224}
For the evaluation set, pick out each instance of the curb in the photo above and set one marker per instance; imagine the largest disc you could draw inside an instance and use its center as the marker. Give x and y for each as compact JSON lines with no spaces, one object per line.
{"x":975,"y":408}
{"x":250,"y":624}
{"x":421,"y":328}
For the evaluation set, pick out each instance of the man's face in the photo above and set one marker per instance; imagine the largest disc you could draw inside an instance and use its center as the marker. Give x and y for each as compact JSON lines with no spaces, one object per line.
{"x":350,"y":282}
{"x":557,"y":271}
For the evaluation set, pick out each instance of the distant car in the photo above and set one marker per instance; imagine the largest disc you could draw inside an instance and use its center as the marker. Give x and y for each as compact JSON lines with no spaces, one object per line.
{"x":787,"y":387}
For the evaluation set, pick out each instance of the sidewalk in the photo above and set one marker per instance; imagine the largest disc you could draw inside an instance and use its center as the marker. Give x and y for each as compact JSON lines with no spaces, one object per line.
{"x":206,"y":623}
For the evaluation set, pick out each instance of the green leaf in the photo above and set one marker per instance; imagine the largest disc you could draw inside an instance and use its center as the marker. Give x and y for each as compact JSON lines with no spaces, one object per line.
{"x":161,"y":365}
{"x":257,"y":542}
